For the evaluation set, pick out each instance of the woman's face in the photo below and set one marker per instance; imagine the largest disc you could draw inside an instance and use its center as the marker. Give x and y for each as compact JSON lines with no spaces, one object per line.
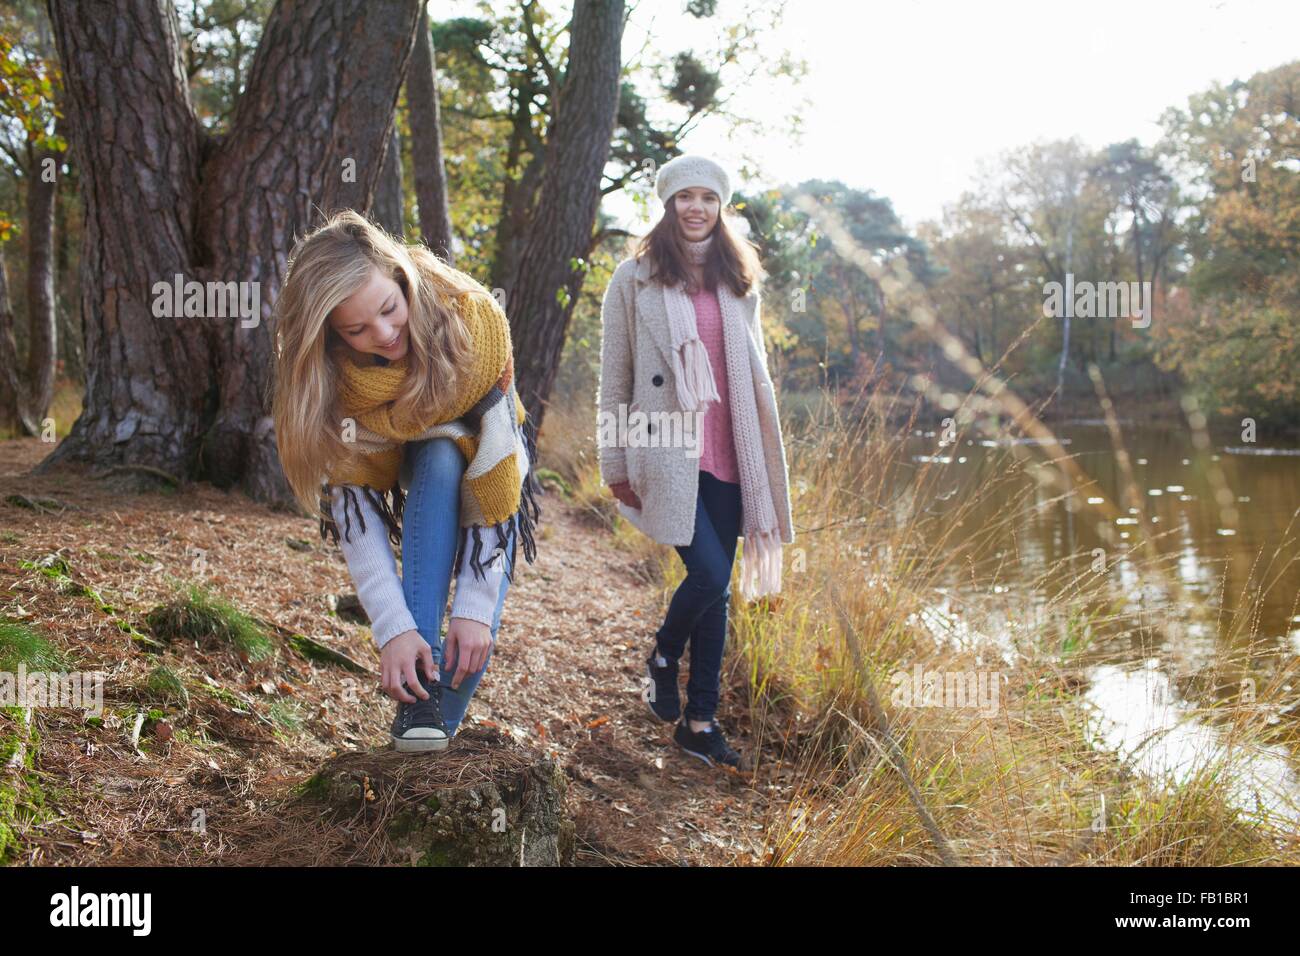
{"x":373,"y":319}
{"x":697,"y":211}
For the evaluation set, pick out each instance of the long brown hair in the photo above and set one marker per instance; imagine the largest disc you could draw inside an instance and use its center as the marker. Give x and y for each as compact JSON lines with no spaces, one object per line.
{"x":326,"y":267}
{"x":732,"y":258}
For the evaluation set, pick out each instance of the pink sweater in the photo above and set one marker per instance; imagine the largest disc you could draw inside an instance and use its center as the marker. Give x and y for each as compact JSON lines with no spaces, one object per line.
{"x":718,"y":456}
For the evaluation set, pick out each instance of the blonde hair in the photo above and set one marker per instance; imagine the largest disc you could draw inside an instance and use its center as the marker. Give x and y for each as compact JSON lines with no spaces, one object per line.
{"x":326,"y":267}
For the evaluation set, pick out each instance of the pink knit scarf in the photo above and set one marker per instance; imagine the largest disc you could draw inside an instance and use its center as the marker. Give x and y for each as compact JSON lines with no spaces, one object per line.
{"x":760,"y":559}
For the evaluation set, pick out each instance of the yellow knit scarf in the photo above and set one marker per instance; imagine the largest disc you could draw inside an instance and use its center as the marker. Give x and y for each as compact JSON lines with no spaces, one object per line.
{"x":485,"y":417}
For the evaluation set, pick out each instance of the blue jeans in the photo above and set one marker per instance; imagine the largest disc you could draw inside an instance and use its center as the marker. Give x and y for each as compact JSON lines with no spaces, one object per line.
{"x":698,"y":610}
{"x":430,"y":530}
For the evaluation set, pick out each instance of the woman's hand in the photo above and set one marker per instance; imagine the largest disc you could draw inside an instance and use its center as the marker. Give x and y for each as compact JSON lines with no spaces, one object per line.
{"x":468,"y":642}
{"x":622,"y":490}
{"x":397,"y":664}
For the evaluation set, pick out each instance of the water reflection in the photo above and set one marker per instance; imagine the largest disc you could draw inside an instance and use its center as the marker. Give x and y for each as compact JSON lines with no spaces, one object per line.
{"x":1140,"y":717}
{"x":1233,"y":553}
{"x":1227,"y":568}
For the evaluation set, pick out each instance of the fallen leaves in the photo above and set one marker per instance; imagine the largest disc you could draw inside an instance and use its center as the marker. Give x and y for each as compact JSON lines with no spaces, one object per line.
{"x":573,"y":629}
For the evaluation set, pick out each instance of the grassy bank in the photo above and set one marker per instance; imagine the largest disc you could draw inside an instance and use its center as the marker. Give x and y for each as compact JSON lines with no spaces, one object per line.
{"x":879,"y":779}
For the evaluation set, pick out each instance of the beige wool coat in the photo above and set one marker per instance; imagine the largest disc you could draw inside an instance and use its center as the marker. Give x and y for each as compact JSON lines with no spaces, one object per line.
{"x":636,"y":372}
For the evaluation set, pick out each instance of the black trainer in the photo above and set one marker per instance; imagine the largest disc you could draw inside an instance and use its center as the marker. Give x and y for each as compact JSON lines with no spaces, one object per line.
{"x":660,"y":693}
{"x":419,"y":727}
{"x":709,"y":745}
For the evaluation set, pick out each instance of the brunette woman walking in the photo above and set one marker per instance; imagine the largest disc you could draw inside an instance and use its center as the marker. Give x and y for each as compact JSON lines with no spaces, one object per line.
{"x":682,"y":345}
{"x":394,"y":374}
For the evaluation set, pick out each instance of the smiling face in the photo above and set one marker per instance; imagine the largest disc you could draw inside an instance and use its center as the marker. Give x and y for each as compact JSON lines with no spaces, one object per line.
{"x":697,"y":212}
{"x":373,"y":319}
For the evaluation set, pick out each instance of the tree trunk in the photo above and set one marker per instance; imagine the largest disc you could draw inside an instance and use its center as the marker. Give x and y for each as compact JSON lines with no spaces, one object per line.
{"x":993,"y":330}
{"x":69,"y":319}
{"x":1069,"y":311}
{"x":518,"y":194}
{"x":134,"y":137}
{"x":346,"y":62}
{"x":851,"y":312}
{"x":42,"y":343}
{"x":162,"y":198}
{"x":388,"y":196}
{"x":486,"y":802}
{"x":545,"y":286}
{"x":11,"y":387}
{"x":881,"y":340}
{"x":426,"y":143}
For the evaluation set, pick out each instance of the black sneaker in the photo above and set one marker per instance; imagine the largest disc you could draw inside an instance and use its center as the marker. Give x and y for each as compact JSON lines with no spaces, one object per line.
{"x":419,"y":727}
{"x":709,"y":745}
{"x":660,"y":692}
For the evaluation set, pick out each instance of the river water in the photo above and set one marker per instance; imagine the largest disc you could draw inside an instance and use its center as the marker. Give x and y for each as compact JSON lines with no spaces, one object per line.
{"x":1207,"y":618}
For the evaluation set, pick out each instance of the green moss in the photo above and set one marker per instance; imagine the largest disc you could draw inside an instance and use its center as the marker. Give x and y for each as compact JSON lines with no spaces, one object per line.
{"x":318,"y":652}
{"x":203,"y":616}
{"x":439,"y":854}
{"x":22,"y":800}
{"x":52,"y":566}
{"x":316,"y":787}
{"x":8,"y":816}
{"x":9,"y":744}
{"x":225,"y":696}
{"x":544,"y":475}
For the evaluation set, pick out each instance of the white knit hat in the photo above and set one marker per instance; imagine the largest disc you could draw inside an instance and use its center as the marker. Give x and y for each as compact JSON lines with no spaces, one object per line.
{"x":686,"y":171}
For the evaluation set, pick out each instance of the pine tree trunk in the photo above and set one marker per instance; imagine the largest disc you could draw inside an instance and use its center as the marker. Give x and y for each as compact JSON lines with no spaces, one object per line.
{"x":10,"y":385}
{"x":426,"y":143}
{"x":191,"y":395}
{"x":133,"y":135}
{"x":42,"y":342}
{"x":545,"y":284}
{"x":389,"y":199}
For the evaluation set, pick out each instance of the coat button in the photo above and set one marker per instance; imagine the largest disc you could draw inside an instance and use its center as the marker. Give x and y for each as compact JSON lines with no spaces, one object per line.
{"x":657,"y":380}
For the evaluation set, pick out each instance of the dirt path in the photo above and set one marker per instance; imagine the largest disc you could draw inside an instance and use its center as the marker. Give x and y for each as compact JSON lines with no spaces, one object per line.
{"x":565,"y":677}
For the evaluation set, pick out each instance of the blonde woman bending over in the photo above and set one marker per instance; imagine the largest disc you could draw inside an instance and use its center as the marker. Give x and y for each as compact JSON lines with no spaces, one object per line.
{"x":396,"y":415}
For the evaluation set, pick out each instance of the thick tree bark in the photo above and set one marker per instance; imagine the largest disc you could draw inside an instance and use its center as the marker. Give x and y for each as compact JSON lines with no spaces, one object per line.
{"x":68,"y":318}
{"x":317,"y":112}
{"x":25,"y":398}
{"x":389,"y":199}
{"x":134,"y":137}
{"x":545,"y":285}
{"x":191,"y":395}
{"x":42,"y":343}
{"x":426,"y":143}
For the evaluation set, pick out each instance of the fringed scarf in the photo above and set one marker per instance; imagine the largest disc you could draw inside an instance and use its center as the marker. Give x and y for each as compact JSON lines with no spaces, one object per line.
{"x":760,"y":558}
{"x":485,"y":418}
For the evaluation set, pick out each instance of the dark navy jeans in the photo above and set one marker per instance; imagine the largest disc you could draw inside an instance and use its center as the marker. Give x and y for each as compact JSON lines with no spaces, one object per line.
{"x":697,"y":613}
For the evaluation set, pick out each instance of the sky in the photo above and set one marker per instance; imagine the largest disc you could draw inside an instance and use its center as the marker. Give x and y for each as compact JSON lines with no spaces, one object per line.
{"x":908,"y":97}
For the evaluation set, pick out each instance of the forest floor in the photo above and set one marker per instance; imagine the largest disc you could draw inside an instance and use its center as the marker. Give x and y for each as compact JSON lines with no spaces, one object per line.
{"x":565,"y":679}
